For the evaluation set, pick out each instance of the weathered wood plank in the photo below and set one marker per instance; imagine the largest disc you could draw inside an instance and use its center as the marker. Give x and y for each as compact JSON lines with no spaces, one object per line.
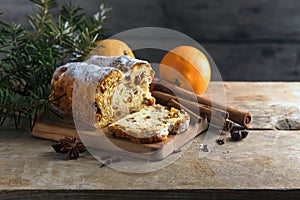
{"x":261,"y":161}
{"x":235,"y":19}
{"x":200,"y":19}
{"x":256,"y":62}
{"x":218,"y":19}
{"x":131,"y":14}
{"x":258,"y":39}
{"x":273,"y":105}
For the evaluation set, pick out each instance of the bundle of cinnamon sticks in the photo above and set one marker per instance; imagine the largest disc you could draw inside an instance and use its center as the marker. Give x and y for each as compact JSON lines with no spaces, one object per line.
{"x":197,"y":105}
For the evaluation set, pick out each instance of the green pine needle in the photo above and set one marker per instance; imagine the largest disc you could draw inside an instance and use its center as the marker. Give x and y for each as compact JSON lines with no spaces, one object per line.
{"x":29,"y":57}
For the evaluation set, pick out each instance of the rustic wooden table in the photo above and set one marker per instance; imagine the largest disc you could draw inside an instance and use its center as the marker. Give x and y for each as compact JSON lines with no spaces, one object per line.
{"x":266,"y":163}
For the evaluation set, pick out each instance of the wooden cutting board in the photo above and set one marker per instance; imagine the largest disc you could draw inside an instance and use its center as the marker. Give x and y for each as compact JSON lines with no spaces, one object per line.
{"x":57,"y":128}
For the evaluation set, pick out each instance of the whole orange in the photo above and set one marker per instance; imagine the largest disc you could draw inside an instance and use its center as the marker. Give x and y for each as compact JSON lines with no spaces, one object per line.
{"x":193,"y":70}
{"x":112,"y":47}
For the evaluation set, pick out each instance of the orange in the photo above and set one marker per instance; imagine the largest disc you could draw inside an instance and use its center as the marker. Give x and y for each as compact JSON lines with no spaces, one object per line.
{"x":112,"y":47}
{"x":192,"y":68}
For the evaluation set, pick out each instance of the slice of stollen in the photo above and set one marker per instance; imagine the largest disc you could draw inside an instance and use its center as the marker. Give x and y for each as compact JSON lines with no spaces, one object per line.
{"x":150,"y":125}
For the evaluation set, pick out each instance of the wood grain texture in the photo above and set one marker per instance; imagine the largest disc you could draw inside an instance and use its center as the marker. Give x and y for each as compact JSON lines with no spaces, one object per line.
{"x":256,"y":62}
{"x":212,"y":20}
{"x":265,"y":164}
{"x":259,"y":37}
{"x":236,"y":19}
{"x":264,"y":160}
{"x":201,"y":19}
{"x":273,"y":105}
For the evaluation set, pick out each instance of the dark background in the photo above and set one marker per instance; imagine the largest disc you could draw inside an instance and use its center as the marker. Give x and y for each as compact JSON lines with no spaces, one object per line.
{"x":256,"y":40}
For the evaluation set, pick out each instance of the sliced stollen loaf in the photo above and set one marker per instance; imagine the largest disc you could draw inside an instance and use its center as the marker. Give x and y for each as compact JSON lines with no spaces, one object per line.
{"x":133,"y":87}
{"x":152,"y":124}
{"x":105,"y":89}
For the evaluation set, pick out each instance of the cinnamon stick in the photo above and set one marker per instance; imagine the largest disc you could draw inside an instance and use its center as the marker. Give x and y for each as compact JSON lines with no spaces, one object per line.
{"x":227,"y":124}
{"x":193,"y":106}
{"x":238,"y":116}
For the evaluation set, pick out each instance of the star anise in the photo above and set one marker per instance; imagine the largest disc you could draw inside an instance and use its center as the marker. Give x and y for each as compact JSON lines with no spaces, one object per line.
{"x":69,"y":146}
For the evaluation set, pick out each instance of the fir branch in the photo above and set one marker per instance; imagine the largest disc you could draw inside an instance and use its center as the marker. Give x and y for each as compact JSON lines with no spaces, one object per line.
{"x":38,"y":21}
{"x":31,"y":56}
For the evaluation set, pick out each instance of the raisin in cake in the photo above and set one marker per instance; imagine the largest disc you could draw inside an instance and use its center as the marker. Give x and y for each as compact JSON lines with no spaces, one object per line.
{"x":152,"y":124}
{"x":106,"y":88}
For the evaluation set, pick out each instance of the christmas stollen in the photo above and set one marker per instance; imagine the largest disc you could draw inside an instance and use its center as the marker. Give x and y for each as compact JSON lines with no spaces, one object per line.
{"x":108,"y":91}
{"x":114,"y":92}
